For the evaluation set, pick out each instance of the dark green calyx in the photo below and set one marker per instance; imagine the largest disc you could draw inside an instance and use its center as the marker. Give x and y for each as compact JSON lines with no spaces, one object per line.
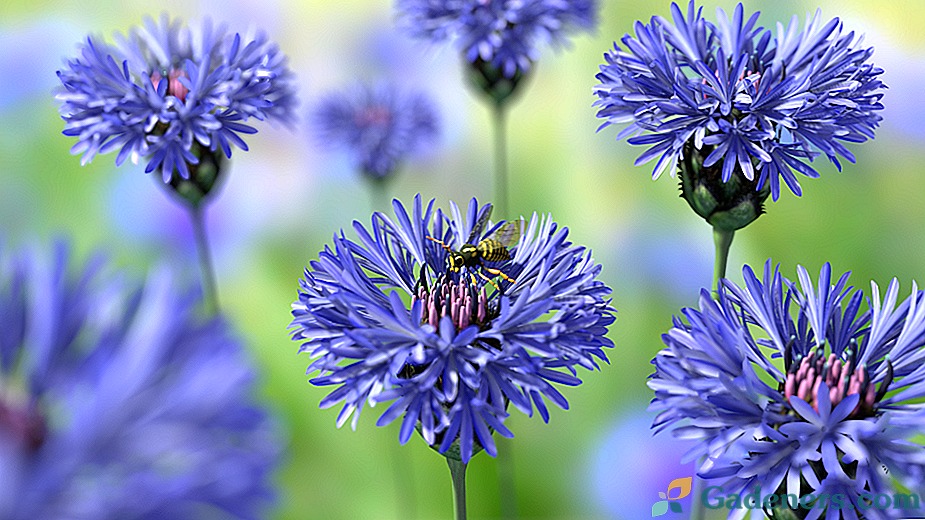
{"x":487,"y":78}
{"x":727,"y":206}
{"x":453,"y":451}
{"x":203,"y":177}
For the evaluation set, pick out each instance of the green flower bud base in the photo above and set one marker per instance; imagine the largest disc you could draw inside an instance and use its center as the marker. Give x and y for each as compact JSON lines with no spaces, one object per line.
{"x":727,"y":206}
{"x":203,"y":177}
{"x":487,"y":78}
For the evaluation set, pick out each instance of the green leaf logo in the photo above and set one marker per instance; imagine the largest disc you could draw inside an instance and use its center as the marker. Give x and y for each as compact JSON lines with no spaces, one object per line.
{"x":680,"y":488}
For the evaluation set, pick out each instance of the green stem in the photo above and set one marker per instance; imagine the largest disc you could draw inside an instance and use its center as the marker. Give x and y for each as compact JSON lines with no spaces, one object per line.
{"x":206,"y":270}
{"x":722,"y":239}
{"x":379,"y":193}
{"x":500,"y":199}
{"x":458,"y":474}
{"x":697,"y":511}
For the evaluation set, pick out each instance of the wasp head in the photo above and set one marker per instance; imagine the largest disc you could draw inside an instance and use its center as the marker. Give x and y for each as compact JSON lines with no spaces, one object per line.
{"x":455,"y":261}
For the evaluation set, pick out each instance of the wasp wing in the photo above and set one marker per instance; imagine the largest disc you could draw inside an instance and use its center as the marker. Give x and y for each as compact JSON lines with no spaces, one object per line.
{"x":509,"y":233}
{"x":479,"y":225}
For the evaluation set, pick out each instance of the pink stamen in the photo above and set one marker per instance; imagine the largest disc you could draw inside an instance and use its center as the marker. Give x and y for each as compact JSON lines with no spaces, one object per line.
{"x":838,"y":376}
{"x":174,"y":86}
{"x":373,"y":116}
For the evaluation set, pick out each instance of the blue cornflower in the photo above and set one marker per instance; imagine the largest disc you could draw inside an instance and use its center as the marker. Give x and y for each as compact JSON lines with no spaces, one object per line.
{"x":816,"y":399}
{"x":388,"y":320}
{"x":379,"y":125}
{"x":117,"y":402}
{"x":169,"y":92}
{"x":736,"y":96}
{"x":503,"y":34}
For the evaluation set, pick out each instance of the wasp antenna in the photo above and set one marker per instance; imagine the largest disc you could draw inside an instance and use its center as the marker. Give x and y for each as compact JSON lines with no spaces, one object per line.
{"x":439,"y":242}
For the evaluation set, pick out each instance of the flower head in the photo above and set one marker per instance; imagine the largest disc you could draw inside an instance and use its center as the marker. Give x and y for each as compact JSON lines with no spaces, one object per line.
{"x":819,"y":400}
{"x":379,"y":125}
{"x":756,"y":104}
{"x":170,"y":92}
{"x":502,"y":33}
{"x":389,"y":318}
{"x":117,"y":402}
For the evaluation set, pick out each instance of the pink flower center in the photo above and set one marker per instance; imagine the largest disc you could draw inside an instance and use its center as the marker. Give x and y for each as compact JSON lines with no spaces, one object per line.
{"x":462,"y":302}
{"x":23,"y":423}
{"x":174,"y":86}
{"x":373,"y":116}
{"x":841,"y":377}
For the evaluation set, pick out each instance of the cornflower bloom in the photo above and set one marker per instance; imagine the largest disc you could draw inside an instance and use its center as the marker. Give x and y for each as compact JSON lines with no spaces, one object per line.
{"x":826,"y":417}
{"x":180,"y":96}
{"x":117,"y":402}
{"x":379,"y":125}
{"x":387,"y":320}
{"x":171,"y":93}
{"x":503,"y":35}
{"x":735,"y":107}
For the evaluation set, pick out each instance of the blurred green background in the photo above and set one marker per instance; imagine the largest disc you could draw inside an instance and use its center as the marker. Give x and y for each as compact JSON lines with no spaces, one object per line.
{"x":286,"y":197}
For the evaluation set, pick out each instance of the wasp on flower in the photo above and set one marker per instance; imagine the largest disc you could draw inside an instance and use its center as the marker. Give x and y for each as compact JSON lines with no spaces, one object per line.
{"x":385,"y":319}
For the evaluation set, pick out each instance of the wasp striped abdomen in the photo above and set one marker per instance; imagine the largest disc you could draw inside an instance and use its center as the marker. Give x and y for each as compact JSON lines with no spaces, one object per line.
{"x":492,"y":250}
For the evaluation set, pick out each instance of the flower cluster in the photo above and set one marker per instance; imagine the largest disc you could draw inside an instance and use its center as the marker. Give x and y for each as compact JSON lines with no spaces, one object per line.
{"x":502,"y":33}
{"x":379,"y":125}
{"x":169,"y":92}
{"x":117,"y":402}
{"x":740,"y":97}
{"x":831,"y":418}
{"x":389,"y":318}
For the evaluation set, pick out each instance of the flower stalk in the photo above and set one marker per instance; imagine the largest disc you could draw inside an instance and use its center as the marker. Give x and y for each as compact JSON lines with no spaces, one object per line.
{"x":206,"y":267}
{"x":458,"y":476}
{"x":501,"y":175}
{"x":722,"y":239}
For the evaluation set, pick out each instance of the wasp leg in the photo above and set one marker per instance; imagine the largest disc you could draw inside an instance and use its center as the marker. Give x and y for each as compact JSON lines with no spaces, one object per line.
{"x":487,"y":279}
{"x":497,"y":272}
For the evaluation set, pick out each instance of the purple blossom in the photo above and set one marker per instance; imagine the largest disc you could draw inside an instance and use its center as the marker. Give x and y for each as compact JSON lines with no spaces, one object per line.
{"x":167,"y":91}
{"x":504,"y":33}
{"x":117,"y":401}
{"x":819,"y":400}
{"x":379,"y":125}
{"x":385,"y":318}
{"x":767,"y":103}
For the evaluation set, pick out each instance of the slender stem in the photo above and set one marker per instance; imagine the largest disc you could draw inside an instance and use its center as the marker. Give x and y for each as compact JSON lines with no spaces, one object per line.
{"x":379,"y":193}
{"x":697,"y":511}
{"x":458,"y":474}
{"x":206,"y":270}
{"x":722,"y":239}
{"x":506,"y":489}
{"x":500,"y":199}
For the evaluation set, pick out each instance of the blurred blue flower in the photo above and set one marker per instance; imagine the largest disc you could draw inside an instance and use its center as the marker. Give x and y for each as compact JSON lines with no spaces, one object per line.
{"x":117,"y":402}
{"x":503,"y":33}
{"x":379,"y":125}
{"x":168,"y":92}
{"x":387,"y":320}
{"x":734,"y":95}
{"x":825,"y":423}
